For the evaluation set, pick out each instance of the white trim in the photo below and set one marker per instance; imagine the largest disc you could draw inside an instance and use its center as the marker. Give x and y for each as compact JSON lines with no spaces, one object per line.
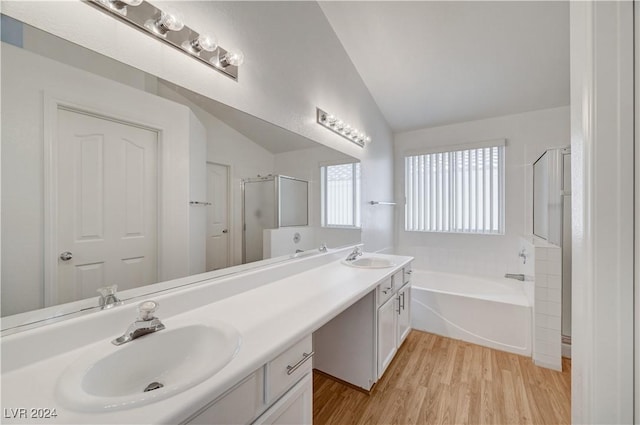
{"x":454,"y":148}
{"x":636,"y":413}
{"x":602,"y":210}
{"x":53,"y":102}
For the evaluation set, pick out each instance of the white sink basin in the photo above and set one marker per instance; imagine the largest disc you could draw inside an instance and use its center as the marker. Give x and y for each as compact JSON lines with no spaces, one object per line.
{"x":370,"y":263}
{"x":113,"y":378}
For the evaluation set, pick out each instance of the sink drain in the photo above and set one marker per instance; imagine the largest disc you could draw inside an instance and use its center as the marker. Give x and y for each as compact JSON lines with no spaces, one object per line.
{"x":153,"y":386}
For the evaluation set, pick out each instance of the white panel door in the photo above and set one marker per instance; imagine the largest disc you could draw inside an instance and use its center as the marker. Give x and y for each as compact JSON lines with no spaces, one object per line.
{"x":387,"y":330}
{"x":217,"y":216}
{"x":106,"y":205}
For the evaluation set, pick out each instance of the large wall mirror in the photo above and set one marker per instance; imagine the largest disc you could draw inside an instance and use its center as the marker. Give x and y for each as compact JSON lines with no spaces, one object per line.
{"x":114,"y":176}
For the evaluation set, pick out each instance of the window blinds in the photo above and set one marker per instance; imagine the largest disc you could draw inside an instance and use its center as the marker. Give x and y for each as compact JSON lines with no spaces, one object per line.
{"x":460,"y":191}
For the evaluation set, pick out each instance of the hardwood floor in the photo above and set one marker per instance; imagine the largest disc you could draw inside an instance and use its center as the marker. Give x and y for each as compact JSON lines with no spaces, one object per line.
{"x":437,"y":380}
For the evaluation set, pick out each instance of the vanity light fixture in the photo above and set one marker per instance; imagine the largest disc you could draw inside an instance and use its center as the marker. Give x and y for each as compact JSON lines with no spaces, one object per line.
{"x":338,"y":126}
{"x":168,"y":26}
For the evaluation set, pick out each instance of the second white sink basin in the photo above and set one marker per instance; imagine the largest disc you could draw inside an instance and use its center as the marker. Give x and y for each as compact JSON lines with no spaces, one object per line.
{"x":163,"y":363}
{"x":370,"y":263}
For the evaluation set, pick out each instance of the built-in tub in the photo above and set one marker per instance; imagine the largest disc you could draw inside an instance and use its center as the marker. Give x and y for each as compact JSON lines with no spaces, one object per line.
{"x":492,"y":312}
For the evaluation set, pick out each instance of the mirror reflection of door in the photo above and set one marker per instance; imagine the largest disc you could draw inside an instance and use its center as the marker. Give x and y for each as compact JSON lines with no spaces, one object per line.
{"x":106,"y":205}
{"x":217,"y":216}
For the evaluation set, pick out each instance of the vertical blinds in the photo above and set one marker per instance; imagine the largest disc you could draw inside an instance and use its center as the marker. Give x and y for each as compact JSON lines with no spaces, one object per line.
{"x":458,"y":192}
{"x":341,"y":195}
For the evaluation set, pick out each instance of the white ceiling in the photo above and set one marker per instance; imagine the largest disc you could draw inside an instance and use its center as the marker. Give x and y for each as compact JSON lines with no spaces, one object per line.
{"x":433,"y":63}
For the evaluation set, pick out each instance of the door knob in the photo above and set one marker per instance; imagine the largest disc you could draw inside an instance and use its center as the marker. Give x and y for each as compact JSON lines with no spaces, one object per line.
{"x":66,"y":256}
{"x":225,"y":231}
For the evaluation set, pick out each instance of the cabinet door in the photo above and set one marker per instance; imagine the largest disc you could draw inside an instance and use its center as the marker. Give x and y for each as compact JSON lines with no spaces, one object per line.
{"x":293,"y":408}
{"x":404,"y":313}
{"x":387,"y":330}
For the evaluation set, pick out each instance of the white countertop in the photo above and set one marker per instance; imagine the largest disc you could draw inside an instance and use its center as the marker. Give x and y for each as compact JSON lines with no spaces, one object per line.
{"x":270,"y":318}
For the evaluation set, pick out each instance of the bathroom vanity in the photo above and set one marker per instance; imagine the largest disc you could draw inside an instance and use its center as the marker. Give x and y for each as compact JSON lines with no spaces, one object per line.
{"x":275,"y":310}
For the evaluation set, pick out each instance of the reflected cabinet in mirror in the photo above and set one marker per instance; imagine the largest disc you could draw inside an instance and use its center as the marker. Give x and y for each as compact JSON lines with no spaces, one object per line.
{"x":111,"y":176}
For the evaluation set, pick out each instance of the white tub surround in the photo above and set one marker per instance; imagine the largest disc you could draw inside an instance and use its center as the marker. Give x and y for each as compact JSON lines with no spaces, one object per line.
{"x":270,"y":316}
{"x":547,"y":308}
{"x":495,"y":313}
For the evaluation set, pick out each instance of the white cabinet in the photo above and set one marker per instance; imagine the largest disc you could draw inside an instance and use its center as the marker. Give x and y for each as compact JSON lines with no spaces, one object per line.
{"x":240,"y":405}
{"x":294,"y":408}
{"x":404,"y":313}
{"x":359,"y":344}
{"x":288,"y":368}
{"x":394,"y":319}
{"x":283,"y":385}
{"x":387,"y":334}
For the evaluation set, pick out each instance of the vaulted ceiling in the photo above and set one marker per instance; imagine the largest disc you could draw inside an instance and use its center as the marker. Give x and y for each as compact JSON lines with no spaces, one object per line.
{"x":430,"y":63}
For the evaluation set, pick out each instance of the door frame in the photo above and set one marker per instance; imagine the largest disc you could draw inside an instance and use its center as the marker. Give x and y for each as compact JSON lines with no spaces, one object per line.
{"x":230,"y":223}
{"x":53,"y":102}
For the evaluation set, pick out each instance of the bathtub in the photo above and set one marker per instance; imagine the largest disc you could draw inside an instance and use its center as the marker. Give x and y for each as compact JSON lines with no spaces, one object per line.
{"x":495,"y":313}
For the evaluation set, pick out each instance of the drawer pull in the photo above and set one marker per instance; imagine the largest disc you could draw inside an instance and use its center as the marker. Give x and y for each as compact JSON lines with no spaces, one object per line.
{"x":386,"y":290}
{"x":305,"y":357}
{"x":409,"y":272}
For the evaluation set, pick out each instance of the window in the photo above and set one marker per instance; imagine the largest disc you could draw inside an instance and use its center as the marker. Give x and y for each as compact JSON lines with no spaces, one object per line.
{"x":460,"y":191}
{"x":340,"y":195}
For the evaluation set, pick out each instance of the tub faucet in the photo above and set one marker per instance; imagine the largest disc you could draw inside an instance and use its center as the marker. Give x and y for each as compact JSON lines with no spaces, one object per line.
{"x":523,"y":254}
{"x":354,"y":254}
{"x":145,"y":324}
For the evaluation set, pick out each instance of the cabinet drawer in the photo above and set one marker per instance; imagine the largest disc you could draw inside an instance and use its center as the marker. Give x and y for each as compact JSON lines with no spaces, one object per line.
{"x":238,"y":406}
{"x":407,"y":271}
{"x":398,"y":279}
{"x":384,"y":291}
{"x":287,"y":369}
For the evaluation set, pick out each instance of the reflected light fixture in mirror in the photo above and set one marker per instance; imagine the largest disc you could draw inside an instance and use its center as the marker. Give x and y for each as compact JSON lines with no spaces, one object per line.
{"x":338,"y":126}
{"x":168,"y":26}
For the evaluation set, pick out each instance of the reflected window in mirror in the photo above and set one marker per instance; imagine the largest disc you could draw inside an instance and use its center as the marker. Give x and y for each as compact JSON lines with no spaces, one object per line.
{"x":340,"y":189}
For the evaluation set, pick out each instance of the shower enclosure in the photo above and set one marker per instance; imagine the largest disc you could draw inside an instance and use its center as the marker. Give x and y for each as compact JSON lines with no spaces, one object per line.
{"x":269,"y":203}
{"x":552,"y":217}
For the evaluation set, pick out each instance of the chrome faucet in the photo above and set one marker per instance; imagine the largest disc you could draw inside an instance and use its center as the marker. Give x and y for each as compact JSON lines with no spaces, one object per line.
{"x":354,"y":254}
{"x":145,"y":324}
{"x":523,"y":254}
{"x":108,"y":297}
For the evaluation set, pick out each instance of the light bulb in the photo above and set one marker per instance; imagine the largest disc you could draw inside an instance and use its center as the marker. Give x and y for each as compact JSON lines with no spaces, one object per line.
{"x":339,"y":125}
{"x":232,"y":57}
{"x":347,"y":130}
{"x":120,"y":6}
{"x":332,"y":120}
{"x":208,"y":43}
{"x":167,"y":22}
{"x":367,"y":139}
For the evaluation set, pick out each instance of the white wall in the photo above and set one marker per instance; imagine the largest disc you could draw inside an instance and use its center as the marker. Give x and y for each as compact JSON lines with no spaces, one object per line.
{"x":294,"y":62}
{"x":305,"y":164}
{"x":528,"y":135}
{"x":227,"y":146}
{"x":28,"y":80}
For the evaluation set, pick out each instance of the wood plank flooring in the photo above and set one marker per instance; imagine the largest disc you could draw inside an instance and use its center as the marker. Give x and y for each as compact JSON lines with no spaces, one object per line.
{"x":437,"y":380}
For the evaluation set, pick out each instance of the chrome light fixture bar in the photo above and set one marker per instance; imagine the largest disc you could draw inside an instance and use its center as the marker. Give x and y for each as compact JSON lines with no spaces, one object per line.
{"x":167,"y":26}
{"x":338,"y":126}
